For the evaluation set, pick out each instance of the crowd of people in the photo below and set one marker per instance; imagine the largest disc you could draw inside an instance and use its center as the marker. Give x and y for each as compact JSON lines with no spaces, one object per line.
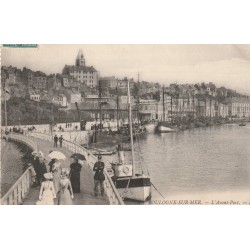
{"x":57,"y":181}
{"x":18,"y":130}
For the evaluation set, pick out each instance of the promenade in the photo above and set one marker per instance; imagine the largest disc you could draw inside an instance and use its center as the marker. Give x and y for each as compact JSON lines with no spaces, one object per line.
{"x":86,"y":196}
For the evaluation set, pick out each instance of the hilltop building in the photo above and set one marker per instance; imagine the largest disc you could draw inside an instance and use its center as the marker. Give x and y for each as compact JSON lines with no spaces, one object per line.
{"x":82,"y":73}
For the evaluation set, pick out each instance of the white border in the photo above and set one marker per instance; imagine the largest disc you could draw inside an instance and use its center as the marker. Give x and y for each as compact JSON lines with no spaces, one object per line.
{"x":125,"y":22}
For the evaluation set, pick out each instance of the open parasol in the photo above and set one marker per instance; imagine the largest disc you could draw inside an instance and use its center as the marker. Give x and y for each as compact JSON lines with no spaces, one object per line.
{"x":57,"y":155}
{"x":78,"y":156}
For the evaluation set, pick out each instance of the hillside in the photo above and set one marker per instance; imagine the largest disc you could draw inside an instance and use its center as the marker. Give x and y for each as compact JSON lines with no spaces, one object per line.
{"x":25,"y":111}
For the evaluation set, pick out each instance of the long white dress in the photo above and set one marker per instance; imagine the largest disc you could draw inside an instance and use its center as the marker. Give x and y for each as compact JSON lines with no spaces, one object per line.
{"x":47,"y":193}
{"x":64,"y":197}
{"x":57,"y":170}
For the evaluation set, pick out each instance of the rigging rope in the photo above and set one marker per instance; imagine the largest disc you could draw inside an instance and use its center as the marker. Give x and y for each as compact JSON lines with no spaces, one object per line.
{"x":157,"y":190}
{"x":126,"y":189}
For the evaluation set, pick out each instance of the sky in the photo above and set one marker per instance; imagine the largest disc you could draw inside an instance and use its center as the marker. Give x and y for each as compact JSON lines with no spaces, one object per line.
{"x":224,"y":65}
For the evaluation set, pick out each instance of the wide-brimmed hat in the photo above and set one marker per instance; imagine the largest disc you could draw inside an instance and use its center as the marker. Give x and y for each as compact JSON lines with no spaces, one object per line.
{"x":48,"y":176}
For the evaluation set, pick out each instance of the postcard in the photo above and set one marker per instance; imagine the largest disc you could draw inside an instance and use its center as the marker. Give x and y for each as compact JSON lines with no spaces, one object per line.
{"x":125,"y":124}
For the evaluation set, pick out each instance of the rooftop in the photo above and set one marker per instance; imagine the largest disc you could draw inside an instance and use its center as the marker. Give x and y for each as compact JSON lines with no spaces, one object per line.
{"x":78,"y":68}
{"x":238,"y":100}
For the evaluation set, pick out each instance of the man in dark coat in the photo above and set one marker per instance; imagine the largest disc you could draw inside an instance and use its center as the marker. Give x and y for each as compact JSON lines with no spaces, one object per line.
{"x":55,"y":141}
{"x":99,"y":176}
{"x":61,"y":140}
{"x":36,"y":164}
{"x":51,"y":163}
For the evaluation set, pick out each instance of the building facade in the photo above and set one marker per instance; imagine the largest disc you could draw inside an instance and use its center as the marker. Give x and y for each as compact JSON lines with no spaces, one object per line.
{"x":35,"y":97}
{"x":82,"y":73}
{"x":75,"y":98}
{"x":60,"y":100}
{"x":109,"y":82}
{"x":239,"y":107}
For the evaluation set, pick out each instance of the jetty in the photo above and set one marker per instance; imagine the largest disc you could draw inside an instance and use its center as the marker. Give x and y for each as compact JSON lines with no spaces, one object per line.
{"x":23,"y":193}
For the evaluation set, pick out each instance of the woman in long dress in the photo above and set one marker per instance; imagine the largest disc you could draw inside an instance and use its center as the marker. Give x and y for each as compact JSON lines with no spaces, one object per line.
{"x":47,"y":192}
{"x":57,"y":170}
{"x":75,"y":169}
{"x":66,"y":192}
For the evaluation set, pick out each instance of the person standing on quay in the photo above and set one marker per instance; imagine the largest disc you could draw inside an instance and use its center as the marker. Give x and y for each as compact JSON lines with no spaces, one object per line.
{"x":99,"y":176}
{"x":65,"y":193}
{"x":35,"y":163}
{"x":47,"y":192}
{"x":75,"y":169}
{"x":57,"y":170}
{"x":51,"y":163}
{"x":55,"y":141}
{"x":61,"y":140}
{"x":40,"y":168}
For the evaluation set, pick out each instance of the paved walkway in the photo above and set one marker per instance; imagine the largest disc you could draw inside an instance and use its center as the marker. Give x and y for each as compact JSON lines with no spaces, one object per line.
{"x":86,"y":196}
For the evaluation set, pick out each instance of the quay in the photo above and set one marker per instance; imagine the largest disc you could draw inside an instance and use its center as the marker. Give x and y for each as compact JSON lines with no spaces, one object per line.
{"x":22,"y":192}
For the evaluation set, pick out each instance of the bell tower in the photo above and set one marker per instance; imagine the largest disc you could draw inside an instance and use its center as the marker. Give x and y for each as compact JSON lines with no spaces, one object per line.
{"x":80,"y":61}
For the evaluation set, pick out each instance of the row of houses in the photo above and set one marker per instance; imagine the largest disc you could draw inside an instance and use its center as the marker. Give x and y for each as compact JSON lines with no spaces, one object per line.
{"x":236,"y":107}
{"x":72,"y":76}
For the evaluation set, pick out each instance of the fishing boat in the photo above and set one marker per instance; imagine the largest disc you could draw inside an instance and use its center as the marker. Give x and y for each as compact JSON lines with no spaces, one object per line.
{"x":130,"y":183}
{"x":164,"y":126}
{"x":242,"y":124}
{"x":150,"y":127}
{"x":137,"y":132}
{"x":98,"y":151}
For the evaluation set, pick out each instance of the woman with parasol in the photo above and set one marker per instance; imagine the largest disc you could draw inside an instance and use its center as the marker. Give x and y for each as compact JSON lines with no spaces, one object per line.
{"x":57,"y":168}
{"x":75,"y":169}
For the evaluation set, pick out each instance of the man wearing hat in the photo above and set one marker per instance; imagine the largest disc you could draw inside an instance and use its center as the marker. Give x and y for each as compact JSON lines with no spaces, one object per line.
{"x":99,"y":176}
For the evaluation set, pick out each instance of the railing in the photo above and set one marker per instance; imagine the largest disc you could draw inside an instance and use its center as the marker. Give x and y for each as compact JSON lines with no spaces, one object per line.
{"x":20,"y":189}
{"x":112,"y":194}
{"x":23,"y":139}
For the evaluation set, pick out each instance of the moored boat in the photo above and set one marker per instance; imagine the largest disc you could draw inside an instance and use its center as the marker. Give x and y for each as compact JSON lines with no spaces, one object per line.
{"x":164,"y":129}
{"x":150,"y":127}
{"x":130,"y":183}
{"x":242,"y":124}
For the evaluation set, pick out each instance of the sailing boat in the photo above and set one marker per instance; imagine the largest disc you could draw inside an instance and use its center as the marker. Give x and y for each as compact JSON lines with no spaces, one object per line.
{"x":123,"y":130}
{"x":129,"y":183}
{"x":163,"y":126}
{"x":101,"y":137}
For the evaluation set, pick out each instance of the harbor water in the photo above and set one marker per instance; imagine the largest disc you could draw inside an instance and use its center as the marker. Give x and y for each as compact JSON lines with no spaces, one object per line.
{"x":14,"y":157}
{"x":208,"y":164}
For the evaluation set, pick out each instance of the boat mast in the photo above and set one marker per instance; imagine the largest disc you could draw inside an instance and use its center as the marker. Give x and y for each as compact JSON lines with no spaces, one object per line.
{"x":163,"y":97}
{"x":117,"y":108}
{"x":138,"y":100}
{"x":100,"y":103}
{"x":131,"y":130}
{"x":171,"y":108}
{"x":5,"y":106}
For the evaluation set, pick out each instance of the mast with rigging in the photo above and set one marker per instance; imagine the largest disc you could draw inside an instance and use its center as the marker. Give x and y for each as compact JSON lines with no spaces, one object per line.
{"x":131,"y":130}
{"x":163,"y":104}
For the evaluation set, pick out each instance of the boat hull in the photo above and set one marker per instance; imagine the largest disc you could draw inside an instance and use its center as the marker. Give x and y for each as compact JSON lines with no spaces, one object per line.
{"x":164,"y":129}
{"x":135,"y":188}
{"x":150,"y":127}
